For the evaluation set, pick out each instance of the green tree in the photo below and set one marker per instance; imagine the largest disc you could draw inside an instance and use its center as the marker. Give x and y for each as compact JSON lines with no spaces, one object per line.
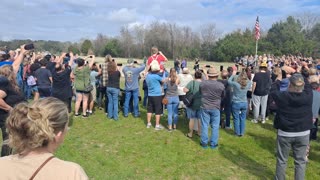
{"x":112,"y":48}
{"x":234,"y":45}
{"x":73,"y":49}
{"x":86,"y":45}
{"x":287,"y":37}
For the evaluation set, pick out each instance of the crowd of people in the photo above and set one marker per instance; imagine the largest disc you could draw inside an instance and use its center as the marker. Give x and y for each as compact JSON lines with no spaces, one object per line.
{"x":286,"y":86}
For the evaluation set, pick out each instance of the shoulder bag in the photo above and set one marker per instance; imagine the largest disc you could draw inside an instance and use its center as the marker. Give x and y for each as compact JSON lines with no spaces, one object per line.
{"x":189,"y":97}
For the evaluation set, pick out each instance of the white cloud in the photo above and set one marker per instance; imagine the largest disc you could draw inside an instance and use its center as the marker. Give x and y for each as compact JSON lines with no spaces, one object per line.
{"x":73,"y":19}
{"x":123,"y":15}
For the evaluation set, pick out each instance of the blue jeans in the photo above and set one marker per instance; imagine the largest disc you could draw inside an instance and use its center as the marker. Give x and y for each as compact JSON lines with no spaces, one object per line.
{"x":26,"y":90}
{"x":113,"y":95}
{"x":239,"y":113}
{"x":209,"y":117}
{"x":145,"y":98}
{"x":135,"y":95}
{"x":172,"y":106}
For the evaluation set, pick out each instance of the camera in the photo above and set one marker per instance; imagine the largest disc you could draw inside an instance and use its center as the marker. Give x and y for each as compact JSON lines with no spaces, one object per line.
{"x":208,"y":66}
{"x":119,"y":64}
{"x":221,"y":68}
{"x":91,"y":56}
{"x":135,"y":62}
{"x":29,"y":46}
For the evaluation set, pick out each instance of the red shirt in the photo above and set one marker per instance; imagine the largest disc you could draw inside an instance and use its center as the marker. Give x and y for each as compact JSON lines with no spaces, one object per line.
{"x":160,"y":58}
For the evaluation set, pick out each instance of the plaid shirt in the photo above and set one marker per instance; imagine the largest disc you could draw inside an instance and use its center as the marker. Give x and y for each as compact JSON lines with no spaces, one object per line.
{"x":104,"y":74}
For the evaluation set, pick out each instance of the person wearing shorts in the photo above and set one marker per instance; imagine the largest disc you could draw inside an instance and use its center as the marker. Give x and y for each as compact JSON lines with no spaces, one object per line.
{"x":154,"y":95}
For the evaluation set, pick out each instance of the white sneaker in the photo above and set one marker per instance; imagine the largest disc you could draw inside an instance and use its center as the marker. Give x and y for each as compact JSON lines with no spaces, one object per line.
{"x":149,"y":125}
{"x":159,"y":127}
{"x":254,"y":121}
{"x":263,"y":121}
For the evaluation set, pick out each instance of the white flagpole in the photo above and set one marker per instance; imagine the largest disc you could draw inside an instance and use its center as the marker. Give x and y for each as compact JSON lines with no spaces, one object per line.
{"x":256,"y":57}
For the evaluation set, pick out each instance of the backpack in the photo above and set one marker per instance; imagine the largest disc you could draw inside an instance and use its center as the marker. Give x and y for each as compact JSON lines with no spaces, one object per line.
{"x":31,"y":81}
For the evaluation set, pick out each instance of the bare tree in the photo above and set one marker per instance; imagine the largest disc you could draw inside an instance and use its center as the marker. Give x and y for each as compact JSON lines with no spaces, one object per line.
{"x":209,"y":34}
{"x":308,"y":20}
{"x":99,"y":44}
{"x":139,"y":36}
{"x":126,"y":40}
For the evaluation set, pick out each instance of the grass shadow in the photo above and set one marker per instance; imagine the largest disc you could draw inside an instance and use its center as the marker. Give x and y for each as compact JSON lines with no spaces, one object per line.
{"x":243,"y":161}
{"x":268,"y":126}
{"x":265,"y":142}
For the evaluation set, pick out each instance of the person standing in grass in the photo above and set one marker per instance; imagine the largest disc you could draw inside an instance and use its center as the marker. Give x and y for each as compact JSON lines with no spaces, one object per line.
{"x":131,"y":75}
{"x":185,"y":78}
{"x":193,"y":112}
{"x":154,"y":82}
{"x":293,"y":122}
{"x":82,"y":79}
{"x":173,"y":99}
{"x":212,"y":92}
{"x":95,"y":72}
{"x":241,"y":84}
{"x":260,"y":89}
{"x":113,"y":89}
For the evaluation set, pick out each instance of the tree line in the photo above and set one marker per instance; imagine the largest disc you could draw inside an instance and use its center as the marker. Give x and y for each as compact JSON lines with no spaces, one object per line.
{"x":296,"y":35}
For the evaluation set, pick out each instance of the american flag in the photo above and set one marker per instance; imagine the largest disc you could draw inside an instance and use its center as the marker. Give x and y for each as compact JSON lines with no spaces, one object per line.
{"x":257,"y":28}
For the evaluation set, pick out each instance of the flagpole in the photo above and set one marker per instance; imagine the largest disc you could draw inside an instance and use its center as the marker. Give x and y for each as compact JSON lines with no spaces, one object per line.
{"x":256,"y":56}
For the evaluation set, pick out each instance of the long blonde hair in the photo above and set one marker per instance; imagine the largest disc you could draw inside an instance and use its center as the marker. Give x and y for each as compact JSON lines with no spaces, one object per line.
{"x":7,"y":71}
{"x":35,"y":125}
{"x":243,"y":79}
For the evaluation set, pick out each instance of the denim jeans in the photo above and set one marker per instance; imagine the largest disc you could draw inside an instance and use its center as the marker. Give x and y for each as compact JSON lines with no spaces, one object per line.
{"x":135,"y":95}
{"x":299,"y":146}
{"x":209,"y":117}
{"x":239,"y":113}
{"x":113,"y":96}
{"x":26,"y":90}
{"x":172,"y":106}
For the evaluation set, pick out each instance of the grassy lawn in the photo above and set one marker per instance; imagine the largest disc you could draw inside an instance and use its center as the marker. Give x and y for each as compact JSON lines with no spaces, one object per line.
{"x":126,"y":149}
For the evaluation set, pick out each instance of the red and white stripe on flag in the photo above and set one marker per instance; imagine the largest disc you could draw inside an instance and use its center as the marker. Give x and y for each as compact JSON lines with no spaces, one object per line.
{"x":257,"y":28}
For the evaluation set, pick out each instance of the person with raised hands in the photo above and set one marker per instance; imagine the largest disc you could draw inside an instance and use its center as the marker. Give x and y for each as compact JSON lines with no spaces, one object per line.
{"x":61,"y":83}
{"x":10,"y":95}
{"x":82,"y":84}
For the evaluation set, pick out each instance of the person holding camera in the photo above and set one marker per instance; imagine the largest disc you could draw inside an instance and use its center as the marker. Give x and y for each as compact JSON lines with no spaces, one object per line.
{"x":293,"y":122}
{"x":157,"y":56}
{"x":82,"y":84}
{"x":61,"y":83}
{"x":10,"y":95}
{"x":131,"y":75}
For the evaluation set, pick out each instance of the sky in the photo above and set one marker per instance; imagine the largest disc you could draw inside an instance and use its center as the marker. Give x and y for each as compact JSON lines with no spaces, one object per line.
{"x":72,"y":20}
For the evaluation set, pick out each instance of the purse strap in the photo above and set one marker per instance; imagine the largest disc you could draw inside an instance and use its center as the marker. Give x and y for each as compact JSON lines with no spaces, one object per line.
{"x":40,"y":167}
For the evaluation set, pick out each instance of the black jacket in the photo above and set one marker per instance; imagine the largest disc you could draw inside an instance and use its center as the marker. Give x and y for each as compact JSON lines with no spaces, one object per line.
{"x":294,"y":112}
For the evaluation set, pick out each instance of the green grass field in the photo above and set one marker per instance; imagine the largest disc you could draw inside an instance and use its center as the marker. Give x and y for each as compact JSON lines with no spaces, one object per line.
{"x":126,"y":149}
